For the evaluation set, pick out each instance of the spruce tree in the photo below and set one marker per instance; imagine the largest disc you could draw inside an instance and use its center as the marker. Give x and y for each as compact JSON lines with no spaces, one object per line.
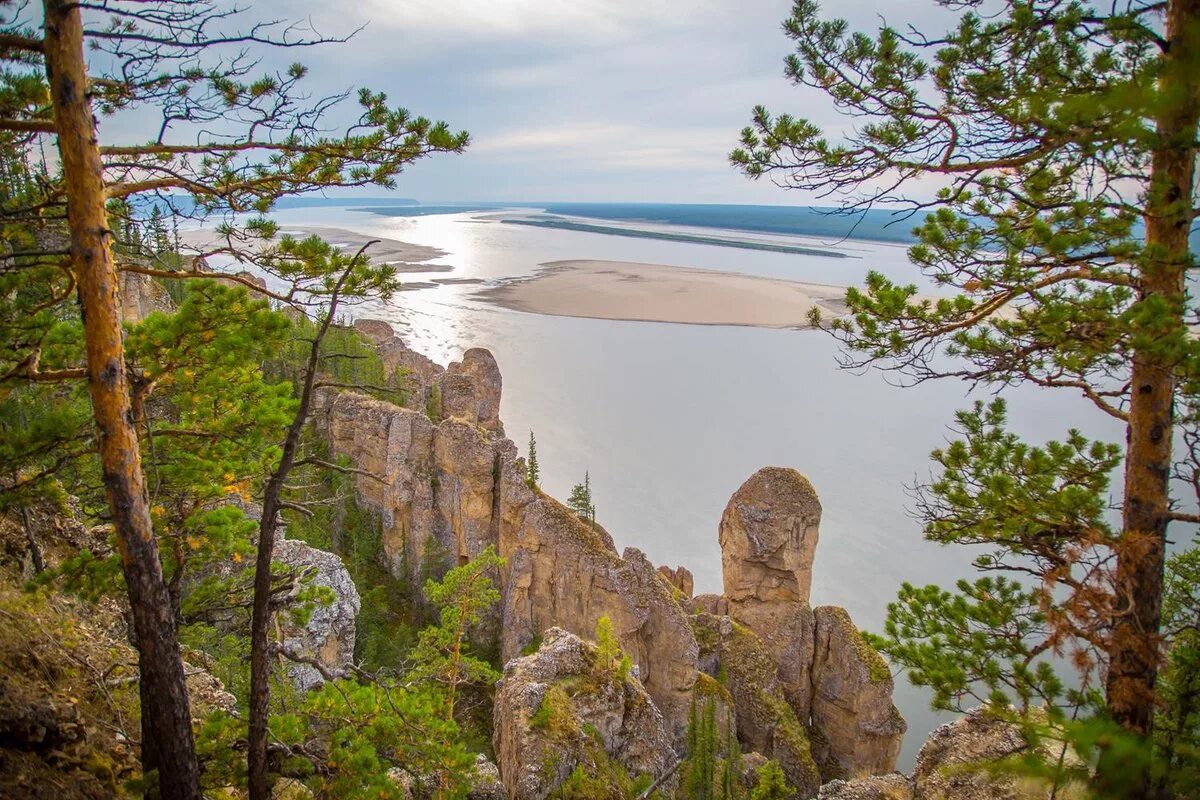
{"x":533,"y":472}
{"x":1063,"y":137}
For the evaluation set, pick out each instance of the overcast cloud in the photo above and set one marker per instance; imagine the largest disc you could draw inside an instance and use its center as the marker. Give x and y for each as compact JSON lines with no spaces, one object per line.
{"x":637,"y":100}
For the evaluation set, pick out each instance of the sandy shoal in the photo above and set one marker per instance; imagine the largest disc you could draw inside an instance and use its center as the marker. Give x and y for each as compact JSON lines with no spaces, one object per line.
{"x":403,"y":256}
{"x":622,"y":290}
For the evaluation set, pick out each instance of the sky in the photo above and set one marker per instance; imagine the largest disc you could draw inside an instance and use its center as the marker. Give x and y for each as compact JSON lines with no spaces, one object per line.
{"x":590,"y":100}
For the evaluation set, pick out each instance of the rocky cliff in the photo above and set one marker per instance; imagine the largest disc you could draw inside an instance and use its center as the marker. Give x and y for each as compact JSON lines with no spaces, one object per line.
{"x":804,"y":687}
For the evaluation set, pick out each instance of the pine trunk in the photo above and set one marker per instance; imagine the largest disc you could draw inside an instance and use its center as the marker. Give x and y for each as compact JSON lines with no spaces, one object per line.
{"x":1134,"y":647}
{"x":260,"y":620}
{"x":167,"y":726}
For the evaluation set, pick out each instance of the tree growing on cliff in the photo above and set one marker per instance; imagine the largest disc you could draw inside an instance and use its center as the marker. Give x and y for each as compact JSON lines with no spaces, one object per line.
{"x":229,"y":143}
{"x":1063,"y":137}
{"x":443,"y":651}
{"x":533,"y":472}
{"x":580,"y":500}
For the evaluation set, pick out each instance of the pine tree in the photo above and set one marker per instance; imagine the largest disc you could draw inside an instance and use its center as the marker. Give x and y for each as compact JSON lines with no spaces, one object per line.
{"x":1065,"y":277}
{"x":443,"y":653}
{"x":533,"y":472}
{"x":236,"y":176}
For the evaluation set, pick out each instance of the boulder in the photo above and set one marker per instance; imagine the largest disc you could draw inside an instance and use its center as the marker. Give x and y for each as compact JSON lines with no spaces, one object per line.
{"x":485,"y":781}
{"x":861,"y":730}
{"x":560,"y":709}
{"x":328,"y":634}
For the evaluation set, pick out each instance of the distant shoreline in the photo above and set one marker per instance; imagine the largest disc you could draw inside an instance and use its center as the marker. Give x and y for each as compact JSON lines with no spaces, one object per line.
{"x":687,"y":238}
{"x":637,"y":292}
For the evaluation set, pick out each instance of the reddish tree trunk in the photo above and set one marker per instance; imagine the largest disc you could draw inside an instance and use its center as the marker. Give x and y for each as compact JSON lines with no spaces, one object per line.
{"x":1134,"y":647}
{"x":167,"y":726}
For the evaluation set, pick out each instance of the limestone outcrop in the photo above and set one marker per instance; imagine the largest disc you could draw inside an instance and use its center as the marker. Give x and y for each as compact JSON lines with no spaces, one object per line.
{"x":861,"y":730}
{"x":141,"y":296}
{"x":766,"y":722}
{"x":327,"y":636}
{"x":768,"y":537}
{"x":561,"y":708}
{"x":445,"y":491}
{"x":470,"y":389}
{"x":446,"y":483}
{"x":892,"y":786}
{"x":681,"y":579}
{"x":951,"y":765}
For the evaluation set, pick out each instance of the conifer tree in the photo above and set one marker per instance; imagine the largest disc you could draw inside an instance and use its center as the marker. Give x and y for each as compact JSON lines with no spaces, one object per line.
{"x":162,"y":58}
{"x":1063,"y":136}
{"x":580,"y":500}
{"x":533,"y":472}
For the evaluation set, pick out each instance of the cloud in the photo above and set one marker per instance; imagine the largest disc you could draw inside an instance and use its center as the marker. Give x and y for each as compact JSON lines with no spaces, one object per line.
{"x":603,"y":145}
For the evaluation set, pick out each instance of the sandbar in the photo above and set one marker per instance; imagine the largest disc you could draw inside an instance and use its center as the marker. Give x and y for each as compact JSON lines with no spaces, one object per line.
{"x":623,"y":290}
{"x":403,"y":256}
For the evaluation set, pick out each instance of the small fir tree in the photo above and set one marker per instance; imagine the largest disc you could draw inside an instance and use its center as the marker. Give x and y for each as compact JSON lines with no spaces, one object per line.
{"x":533,"y":472}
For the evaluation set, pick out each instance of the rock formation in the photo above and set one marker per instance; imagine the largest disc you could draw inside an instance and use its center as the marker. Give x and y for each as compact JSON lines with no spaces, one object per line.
{"x":766,"y":722}
{"x":892,"y":786}
{"x":328,"y":634}
{"x":768,"y":538}
{"x":446,"y":483}
{"x":141,"y":296}
{"x":445,"y":491}
{"x":952,"y":762}
{"x":559,"y":708}
{"x":861,"y":730}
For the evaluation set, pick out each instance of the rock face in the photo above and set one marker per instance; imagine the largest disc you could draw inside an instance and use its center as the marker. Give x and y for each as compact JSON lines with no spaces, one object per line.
{"x":141,"y":296}
{"x":832,"y":679}
{"x":328,"y":635}
{"x":470,"y":390}
{"x":446,"y":483}
{"x":559,"y":709}
{"x":943,"y":770}
{"x":444,"y":492}
{"x":766,"y":722}
{"x":861,"y":730}
{"x":892,"y":786}
{"x":768,"y":538}
{"x":680,"y":578}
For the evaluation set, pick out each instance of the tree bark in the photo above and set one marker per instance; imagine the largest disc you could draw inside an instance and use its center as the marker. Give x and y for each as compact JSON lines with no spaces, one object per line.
{"x":1134,"y":647}
{"x":167,"y":726}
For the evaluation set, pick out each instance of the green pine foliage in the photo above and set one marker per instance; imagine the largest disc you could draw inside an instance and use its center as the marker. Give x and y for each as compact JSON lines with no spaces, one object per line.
{"x":1048,"y":271}
{"x":443,"y":653}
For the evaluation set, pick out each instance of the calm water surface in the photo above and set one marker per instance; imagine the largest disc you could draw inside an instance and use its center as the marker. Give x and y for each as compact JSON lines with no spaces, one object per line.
{"x":670,"y":419}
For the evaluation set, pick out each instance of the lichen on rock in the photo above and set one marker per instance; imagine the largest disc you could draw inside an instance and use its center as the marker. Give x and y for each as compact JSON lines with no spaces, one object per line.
{"x":560,"y":711}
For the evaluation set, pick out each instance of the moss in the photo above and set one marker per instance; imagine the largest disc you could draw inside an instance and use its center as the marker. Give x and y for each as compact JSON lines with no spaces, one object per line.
{"x":752,"y":669}
{"x":555,"y":715}
{"x":708,"y":686}
{"x":877,"y":668}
